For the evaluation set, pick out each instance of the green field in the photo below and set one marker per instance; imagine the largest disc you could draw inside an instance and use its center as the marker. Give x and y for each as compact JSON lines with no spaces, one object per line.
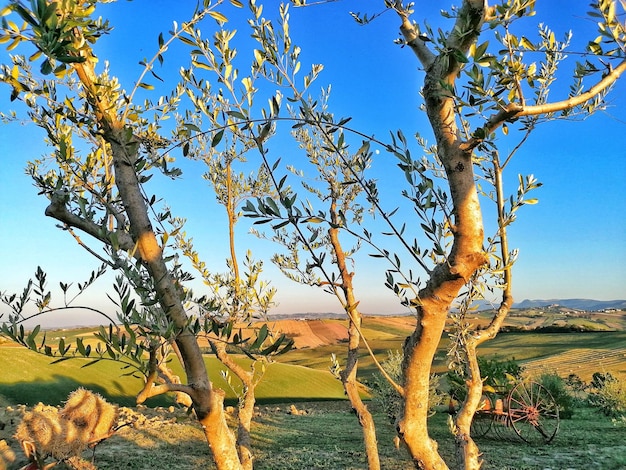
{"x":582,"y":353}
{"x":303,"y":374}
{"x":29,"y":377}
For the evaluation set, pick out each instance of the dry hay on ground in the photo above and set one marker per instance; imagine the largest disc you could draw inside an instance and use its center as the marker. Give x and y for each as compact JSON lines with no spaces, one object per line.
{"x":63,"y":434}
{"x":581,"y":361}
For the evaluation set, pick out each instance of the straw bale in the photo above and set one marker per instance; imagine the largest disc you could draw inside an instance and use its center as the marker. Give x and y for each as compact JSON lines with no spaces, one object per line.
{"x":81,"y":408}
{"x":107,"y":419}
{"x":7,"y":456}
{"x":39,"y":429}
{"x":71,"y":441}
{"x":85,"y":418}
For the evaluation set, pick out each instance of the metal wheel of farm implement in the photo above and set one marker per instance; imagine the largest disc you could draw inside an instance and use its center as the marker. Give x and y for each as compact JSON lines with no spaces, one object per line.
{"x":481,"y":423}
{"x":533,"y":413}
{"x":483,"y":418}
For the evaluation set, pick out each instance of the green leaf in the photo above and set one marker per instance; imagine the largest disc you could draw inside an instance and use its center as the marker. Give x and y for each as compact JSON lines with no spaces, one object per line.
{"x":46,"y":67}
{"x":280,"y":225}
{"x":25,"y":14}
{"x":236,"y":114}
{"x":217,"y":16}
{"x":459,"y":56}
{"x":191,"y":127}
{"x":217,"y":138}
{"x":80,"y":347}
{"x":261,"y":337}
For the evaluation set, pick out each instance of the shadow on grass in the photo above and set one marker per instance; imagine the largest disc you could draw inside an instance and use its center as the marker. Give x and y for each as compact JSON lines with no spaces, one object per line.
{"x":54,"y":392}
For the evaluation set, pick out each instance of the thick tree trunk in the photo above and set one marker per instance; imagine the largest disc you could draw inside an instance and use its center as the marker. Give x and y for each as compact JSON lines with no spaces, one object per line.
{"x":220,"y":438}
{"x":208,"y":403}
{"x":447,"y":279}
{"x":419,"y":351}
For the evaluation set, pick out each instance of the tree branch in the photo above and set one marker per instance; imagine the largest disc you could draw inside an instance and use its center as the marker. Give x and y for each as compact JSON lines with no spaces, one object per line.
{"x":152,"y":390}
{"x":574,"y":101}
{"x":58,"y":210}
{"x":516,"y":110}
{"x":413,"y":40}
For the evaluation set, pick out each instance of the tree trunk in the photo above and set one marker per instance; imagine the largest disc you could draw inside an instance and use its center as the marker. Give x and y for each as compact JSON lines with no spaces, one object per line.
{"x":446,"y":280}
{"x":468,"y":455}
{"x":245,"y":415}
{"x":245,"y":411}
{"x":350,"y":385}
{"x":419,"y":351}
{"x":466,"y":254}
{"x":348,"y":375}
{"x":208,"y":403}
{"x":220,"y":438}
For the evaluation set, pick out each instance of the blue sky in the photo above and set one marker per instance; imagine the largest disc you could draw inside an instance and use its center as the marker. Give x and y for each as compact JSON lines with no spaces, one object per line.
{"x":572,"y":244}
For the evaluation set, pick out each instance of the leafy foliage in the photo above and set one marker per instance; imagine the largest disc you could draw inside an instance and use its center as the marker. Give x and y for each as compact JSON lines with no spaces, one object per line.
{"x":499,"y":377}
{"x":557,"y":386}
{"x":608,"y":393}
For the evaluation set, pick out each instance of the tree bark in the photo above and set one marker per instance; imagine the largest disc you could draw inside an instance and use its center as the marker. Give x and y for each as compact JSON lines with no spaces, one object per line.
{"x":350,"y":385}
{"x":446,"y":280}
{"x":207,"y":402}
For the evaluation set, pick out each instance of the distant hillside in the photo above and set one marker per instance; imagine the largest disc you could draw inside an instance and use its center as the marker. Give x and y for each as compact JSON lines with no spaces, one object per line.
{"x":577,"y":304}
{"x":588,"y":305}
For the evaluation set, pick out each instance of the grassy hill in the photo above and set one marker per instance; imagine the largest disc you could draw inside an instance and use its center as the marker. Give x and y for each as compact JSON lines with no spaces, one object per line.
{"x":303,"y":373}
{"x":29,"y":377}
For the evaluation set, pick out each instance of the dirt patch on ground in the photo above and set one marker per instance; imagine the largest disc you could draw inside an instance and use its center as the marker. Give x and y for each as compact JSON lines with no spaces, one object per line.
{"x":312,"y":333}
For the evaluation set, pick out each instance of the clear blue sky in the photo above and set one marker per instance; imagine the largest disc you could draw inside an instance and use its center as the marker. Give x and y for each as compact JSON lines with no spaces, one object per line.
{"x":572,"y":244}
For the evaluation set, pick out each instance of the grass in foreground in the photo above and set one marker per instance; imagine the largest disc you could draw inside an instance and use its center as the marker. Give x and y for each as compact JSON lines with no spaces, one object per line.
{"x":329,"y":438}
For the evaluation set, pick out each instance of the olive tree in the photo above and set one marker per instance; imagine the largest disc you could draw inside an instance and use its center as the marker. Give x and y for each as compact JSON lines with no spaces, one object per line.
{"x":106,"y":147}
{"x":478,"y":86}
{"x":314,"y":245}
{"x":509,"y":92}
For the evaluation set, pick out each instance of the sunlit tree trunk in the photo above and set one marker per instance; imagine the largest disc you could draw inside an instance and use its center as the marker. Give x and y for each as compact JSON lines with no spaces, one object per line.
{"x":466,"y":255}
{"x":245,"y":412}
